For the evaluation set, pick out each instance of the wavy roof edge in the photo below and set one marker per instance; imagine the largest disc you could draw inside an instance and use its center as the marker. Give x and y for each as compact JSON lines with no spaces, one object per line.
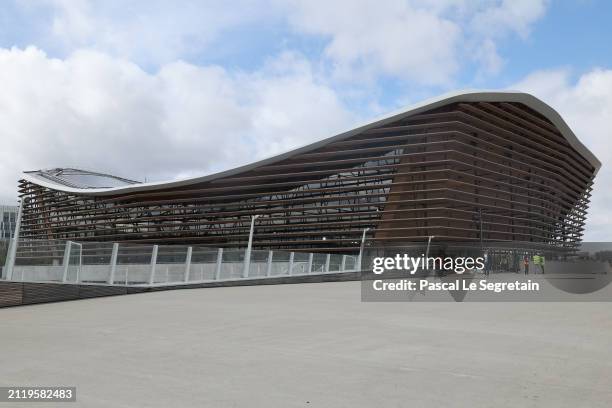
{"x":459,"y":96}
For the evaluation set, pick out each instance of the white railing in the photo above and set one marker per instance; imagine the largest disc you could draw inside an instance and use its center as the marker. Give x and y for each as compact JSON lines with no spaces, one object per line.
{"x":152,"y":265}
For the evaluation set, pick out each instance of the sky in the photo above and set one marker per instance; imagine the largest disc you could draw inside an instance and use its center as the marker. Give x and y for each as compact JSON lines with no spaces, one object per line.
{"x":160,"y":90}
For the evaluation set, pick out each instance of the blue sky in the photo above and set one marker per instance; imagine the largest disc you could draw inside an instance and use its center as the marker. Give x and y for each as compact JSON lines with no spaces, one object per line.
{"x":569,"y":34}
{"x":179,"y":81}
{"x":572,"y":34}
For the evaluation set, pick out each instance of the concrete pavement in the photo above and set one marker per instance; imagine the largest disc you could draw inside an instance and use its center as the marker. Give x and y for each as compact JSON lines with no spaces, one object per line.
{"x":309,"y":345}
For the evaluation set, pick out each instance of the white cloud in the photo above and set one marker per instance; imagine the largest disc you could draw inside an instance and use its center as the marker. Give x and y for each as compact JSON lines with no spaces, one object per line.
{"x":515,"y":16}
{"x":423,"y":41}
{"x":98,"y":112}
{"x":487,"y":57}
{"x":492,"y":24}
{"x":586,"y":105}
{"x":419,"y":40}
{"x":150,"y":32}
{"x":390,"y":37}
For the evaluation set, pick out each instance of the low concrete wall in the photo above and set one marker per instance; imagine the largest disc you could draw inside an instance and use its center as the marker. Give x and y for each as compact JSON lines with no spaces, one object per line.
{"x":25,"y":293}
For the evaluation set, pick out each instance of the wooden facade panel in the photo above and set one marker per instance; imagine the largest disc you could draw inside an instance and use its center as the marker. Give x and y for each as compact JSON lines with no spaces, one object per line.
{"x":440,"y":172}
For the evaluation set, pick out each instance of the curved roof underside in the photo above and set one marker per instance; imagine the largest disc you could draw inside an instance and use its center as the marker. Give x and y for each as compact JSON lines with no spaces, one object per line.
{"x":460,"y":96}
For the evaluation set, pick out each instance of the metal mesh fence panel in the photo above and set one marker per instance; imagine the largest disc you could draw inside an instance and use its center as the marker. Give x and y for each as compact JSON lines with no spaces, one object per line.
{"x":138,"y":264}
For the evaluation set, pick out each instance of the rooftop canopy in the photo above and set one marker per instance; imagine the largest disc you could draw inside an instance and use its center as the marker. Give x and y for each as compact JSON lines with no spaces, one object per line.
{"x":81,"y":179}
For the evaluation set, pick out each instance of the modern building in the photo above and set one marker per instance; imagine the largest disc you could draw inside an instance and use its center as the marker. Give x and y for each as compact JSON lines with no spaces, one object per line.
{"x":8,"y":221}
{"x":470,"y":167}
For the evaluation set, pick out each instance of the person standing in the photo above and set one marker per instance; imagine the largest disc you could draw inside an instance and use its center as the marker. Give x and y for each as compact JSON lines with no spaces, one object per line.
{"x":536,"y":263}
{"x":526,"y":262}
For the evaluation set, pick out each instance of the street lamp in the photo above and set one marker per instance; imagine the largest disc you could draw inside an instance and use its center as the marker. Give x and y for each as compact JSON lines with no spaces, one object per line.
{"x":480,"y":220}
{"x":427,"y":251}
{"x":486,"y":268}
{"x":362,"y":246}
{"x":428,"y":244}
{"x":247,"y":254}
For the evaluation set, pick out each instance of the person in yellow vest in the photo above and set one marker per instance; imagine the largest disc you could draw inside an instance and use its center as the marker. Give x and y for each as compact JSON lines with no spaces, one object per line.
{"x":539,"y":261}
{"x":536,"y":262}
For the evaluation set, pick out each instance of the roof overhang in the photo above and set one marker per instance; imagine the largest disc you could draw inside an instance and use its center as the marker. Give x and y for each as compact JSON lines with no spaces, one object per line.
{"x":446,"y":99}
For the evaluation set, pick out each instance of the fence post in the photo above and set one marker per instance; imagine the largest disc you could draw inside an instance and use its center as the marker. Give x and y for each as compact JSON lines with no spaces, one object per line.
{"x":66,"y":260}
{"x":188,"y":263}
{"x":219,"y":262}
{"x":343,"y":264}
{"x":113,"y":263}
{"x":291,"y":255}
{"x":327,"y":259}
{"x":310,"y":259}
{"x":246,"y":265}
{"x":12,"y":249}
{"x":269,"y":269}
{"x":80,"y":246}
{"x":153,"y":263}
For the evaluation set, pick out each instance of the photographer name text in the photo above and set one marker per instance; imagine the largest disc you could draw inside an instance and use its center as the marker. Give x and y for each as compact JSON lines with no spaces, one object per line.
{"x":458,"y":284}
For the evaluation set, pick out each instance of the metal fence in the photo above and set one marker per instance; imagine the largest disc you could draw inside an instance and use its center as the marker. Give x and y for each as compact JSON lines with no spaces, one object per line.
{"x":146,"y":265}
{"x":4,"y":245}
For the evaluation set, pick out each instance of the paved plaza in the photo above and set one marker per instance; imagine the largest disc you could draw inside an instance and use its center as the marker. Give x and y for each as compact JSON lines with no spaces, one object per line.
{"x":309,"y":345}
